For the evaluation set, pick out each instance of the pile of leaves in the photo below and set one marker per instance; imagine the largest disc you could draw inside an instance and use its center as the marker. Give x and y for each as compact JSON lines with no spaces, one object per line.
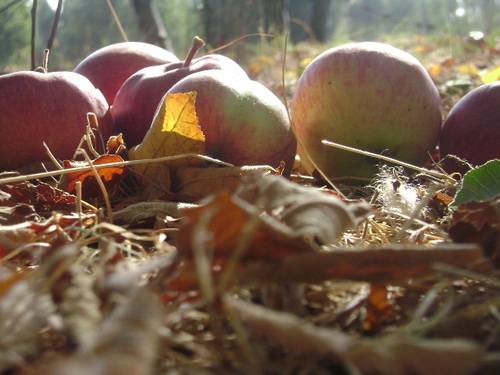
{"x":162,"y":261}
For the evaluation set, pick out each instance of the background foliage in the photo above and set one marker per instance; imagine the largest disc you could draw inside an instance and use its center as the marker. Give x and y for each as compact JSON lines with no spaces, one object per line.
{"x":87,"y":25}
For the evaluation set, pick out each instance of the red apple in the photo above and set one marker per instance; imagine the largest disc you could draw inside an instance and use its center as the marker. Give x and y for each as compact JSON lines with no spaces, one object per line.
{"x":472,"y":129}
{"x":370,"y":96}
{"x":136,"y":101}
{"x":109,"y":67}
{"x":244,"y":123}
{"x":38,"y":107}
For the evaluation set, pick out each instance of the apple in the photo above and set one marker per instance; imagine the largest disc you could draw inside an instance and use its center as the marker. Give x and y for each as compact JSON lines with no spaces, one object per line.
{"x":37,"y":107}
{"x":244,"y":123}
{"x":471,"y":130}
{"x":109,"y":67}
{"x":370,"y":96}
{"x":136,"y":101}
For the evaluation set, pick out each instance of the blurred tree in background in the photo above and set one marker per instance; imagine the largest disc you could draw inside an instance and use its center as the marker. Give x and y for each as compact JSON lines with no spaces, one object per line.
{"x":87,"y":25}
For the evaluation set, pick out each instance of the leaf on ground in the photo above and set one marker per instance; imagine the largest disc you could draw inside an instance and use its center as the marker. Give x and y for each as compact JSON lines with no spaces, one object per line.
{"x":198,"y":182}
{"x":125,"y":343}
{"x":390,"y":354}
{"x":14,"y":236}
{"x":480,"y":184}
{"x":478,"y":222}
{"x":110,"y":176}
{"x":144,"y":210}
{"x":175,"y":131}
{"x":116,"y":144}
{"x":313,"y":215}
{"x":224,"y":220}
{"x":491,"y":76}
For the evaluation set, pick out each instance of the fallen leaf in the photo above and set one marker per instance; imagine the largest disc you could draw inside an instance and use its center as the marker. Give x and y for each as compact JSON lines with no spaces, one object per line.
{"x":479,"y":223}
{"x":312,"y":214}
{"x":200,"y":182}
{"x":480,"y":184}
{"x":174,"y":131}
{"x":110,"y":176}
{"x":491,"y":76}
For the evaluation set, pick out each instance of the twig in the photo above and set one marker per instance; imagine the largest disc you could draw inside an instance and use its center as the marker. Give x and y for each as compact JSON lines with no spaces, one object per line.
{"x":35,"y":176}
{"x":117,"y":20}
{"x":390,"y":160}
{"x":53,"y":32}
{"x":101,"y":185}
{"x":33,"y":34}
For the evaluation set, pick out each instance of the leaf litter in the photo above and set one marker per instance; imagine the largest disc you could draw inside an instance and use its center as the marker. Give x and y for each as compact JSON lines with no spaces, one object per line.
{"x":255,"y":274}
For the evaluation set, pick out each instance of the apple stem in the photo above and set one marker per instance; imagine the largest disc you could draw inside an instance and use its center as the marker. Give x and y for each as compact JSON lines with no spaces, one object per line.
{"x":195,"y":47}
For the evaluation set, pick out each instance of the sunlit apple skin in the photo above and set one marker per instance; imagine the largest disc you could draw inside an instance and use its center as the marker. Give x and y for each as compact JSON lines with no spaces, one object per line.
{"x":109,"y":67}
{"x":244,"y":123}
{"x":136,"y":101}
{"x":471,"y":130}
{"x":40,"y":107}
{"x":370,"y":96}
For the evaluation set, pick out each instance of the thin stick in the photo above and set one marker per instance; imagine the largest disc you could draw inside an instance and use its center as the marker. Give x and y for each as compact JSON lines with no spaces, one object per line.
{"x":33,"y":34}
{"x":117,"y":20}
{"x":101,"y":185}
{"x":53,"y":32}
{"x":34,"y":176}
{"x":388,"y":159}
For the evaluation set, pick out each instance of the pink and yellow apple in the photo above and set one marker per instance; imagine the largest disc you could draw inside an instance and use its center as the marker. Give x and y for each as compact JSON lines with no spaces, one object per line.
{"x":136,"y":101}
{"x":110,"y":66}
{"x":244,"y":123}
{"x":370,"y":96}
{"x":472,"y":129}
{"x":37,"y":107}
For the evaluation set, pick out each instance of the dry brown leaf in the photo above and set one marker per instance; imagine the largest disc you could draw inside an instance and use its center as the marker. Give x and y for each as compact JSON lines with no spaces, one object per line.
{"x":144,"y":210}
{"x":478,"y":222}
{"x":110,"y":176}
{"x":224,"y":218}
{"x":14,"y":236}
{"x":312,"y":215}
{"x":389,"y":355}
{"x":125,"y":343}
{"x":174,"y":131}
{"x":202,"y":182}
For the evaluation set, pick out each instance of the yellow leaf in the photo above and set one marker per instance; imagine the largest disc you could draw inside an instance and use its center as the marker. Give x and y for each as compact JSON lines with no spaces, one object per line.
{"x":492,"y":76}
{"x":175,"y":131}
{"x":469,"y":69}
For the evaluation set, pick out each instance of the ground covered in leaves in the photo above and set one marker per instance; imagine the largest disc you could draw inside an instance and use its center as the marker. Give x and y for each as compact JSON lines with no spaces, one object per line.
{"x":224,"y":270}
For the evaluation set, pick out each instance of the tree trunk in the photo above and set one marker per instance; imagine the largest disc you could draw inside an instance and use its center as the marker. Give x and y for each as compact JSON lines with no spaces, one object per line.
{"x":319,"y":17}
{"x":151,"y":25}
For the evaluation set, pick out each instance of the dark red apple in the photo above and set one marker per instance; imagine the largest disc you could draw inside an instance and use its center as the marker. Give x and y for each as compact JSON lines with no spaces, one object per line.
{"x":136,"y":101}
{"x":109,"y":67}
{"x":471,"y":130}
{"x":38,"y":107}
{"x":244,"y":123}
{"x":370,"y":96}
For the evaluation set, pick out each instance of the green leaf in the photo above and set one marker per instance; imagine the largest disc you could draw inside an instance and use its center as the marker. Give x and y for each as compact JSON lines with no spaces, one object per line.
{"x":480,"y":184}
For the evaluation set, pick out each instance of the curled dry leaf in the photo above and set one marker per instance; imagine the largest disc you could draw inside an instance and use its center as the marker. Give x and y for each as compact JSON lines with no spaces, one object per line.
{"x":144,"y":210}
{"x":174,"y":131}
{"x":110,"y":176}
{"x":392,"y":354}
{"x":125,"y":343}
{"x":274,"y":220}
{"x":478,"y":222}
{"x":313,"y":215}
{"x":202,"y":182}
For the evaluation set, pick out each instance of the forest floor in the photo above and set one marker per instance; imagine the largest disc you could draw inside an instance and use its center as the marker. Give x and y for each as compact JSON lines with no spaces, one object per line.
{"x":275,"y":276}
